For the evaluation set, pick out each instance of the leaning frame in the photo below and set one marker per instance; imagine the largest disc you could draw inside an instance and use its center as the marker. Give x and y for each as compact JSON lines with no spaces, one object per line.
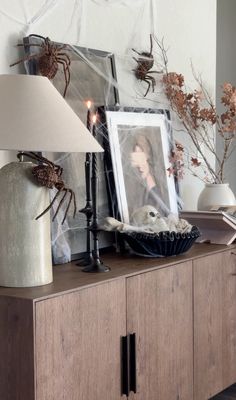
{"x":93,"y":77}
{"x":137,"y":183}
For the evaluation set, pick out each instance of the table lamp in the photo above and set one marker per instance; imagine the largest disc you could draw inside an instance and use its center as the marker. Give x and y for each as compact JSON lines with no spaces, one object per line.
{"x":33,"y":117}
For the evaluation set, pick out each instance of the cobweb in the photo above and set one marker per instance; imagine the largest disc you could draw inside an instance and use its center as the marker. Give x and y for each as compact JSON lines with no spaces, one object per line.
{"x":100,"y":77}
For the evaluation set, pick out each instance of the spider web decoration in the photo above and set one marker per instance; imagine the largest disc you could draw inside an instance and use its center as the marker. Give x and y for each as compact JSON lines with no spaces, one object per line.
{"x":85,"y":83}
{"x":96,"y":81}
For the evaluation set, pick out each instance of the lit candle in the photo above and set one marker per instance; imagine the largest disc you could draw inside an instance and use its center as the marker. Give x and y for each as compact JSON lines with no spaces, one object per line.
{"x":94,"y":124}
{"x":94,"y":156}
{"x":89,"y":104}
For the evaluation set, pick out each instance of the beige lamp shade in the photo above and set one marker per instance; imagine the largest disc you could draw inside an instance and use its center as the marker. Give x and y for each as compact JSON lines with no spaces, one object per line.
{"x":35,"y":117}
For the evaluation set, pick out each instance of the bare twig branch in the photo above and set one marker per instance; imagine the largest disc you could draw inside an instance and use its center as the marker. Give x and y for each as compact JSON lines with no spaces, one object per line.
{"x":197,"y":113}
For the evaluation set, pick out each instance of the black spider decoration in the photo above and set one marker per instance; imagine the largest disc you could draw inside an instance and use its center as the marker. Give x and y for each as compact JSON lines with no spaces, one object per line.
{"x":49,"y":174}
{"x":144,"y":63}
{"x":49,"y":58}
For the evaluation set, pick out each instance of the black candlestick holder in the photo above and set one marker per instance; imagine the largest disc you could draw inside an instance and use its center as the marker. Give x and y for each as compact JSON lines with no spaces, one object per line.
{"x":87,"y":258}
{"x":96,"y":265}
{"x":88,"y":211}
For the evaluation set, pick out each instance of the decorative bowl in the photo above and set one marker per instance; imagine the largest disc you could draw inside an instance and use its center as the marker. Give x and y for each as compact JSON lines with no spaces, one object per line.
{"x":163,"y":244}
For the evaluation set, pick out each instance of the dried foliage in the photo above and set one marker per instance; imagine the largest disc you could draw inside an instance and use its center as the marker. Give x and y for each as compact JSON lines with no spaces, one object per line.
{"x":197,"y":113}
{"x":177,"y":161}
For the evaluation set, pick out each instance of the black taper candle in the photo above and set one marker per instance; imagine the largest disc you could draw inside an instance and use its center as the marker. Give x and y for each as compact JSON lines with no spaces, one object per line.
{"x":87,"y":210}
{"x":89,"y":116}
{"x":96,"y":264}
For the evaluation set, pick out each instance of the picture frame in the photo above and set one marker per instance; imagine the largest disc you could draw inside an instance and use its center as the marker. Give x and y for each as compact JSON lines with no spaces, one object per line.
{"x":140,"y":142}
{"x":92,"y":77}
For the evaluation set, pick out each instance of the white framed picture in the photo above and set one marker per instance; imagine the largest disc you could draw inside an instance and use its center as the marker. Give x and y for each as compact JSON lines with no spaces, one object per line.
{"x":140,"y":146}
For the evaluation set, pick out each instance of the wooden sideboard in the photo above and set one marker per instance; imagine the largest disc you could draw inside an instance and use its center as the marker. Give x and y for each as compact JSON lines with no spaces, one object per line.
{"x":152,"y":329}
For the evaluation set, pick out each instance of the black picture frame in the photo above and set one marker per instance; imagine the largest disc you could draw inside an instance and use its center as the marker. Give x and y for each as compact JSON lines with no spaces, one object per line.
{"x":100,"y":89}
{"x":86,"y":56}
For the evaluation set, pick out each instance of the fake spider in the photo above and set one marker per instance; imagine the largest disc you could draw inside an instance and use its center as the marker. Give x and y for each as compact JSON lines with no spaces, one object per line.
{"x":49,"y":174}
{"x":145,"y":63}
{"x":48,"y":59}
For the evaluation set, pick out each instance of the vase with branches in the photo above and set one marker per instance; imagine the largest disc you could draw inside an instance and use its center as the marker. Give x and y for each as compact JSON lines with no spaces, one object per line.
{"x":197,"y":113}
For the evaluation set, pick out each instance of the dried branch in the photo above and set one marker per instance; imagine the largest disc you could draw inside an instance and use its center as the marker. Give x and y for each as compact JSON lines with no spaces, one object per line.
{"x":197,"y":113}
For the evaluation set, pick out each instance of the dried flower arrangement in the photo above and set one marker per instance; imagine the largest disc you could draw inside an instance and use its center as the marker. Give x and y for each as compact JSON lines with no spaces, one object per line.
{"x":198,"y":119}
{"x":197,"y":113}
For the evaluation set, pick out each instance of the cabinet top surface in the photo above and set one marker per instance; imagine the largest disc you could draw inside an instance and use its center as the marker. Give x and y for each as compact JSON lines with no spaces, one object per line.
{"x":69,"y":277}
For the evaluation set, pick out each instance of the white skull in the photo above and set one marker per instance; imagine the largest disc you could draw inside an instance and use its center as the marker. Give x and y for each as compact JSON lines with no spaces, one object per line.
{"x":146,"y":215}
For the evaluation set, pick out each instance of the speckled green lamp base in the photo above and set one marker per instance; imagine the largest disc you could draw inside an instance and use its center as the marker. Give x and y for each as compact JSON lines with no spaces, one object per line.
{"x":25,"y":245}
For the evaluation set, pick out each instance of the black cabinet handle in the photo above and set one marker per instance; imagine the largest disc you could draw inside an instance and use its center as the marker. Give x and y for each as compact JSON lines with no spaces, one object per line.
{"x":132,"y":362}
{"x":125,"y":365}
{"x":128,"y":364}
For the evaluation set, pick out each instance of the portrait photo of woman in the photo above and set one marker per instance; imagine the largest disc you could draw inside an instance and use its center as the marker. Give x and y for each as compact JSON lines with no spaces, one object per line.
{"x":147,"y":165}
{"x":140,"y":148}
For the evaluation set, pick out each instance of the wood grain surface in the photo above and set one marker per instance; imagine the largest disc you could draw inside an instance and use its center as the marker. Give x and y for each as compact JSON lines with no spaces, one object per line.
{"x":16,"y":349}
{"x":214,"y":324}
{"x":159,"y":310}
{"x":74,"y":342}
{"x":228,"y":394}
{"x":78,"y":339}
{"x":69,"y":277}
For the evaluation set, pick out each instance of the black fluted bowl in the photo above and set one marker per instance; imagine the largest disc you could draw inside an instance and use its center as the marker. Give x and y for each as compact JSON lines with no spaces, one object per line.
{"x":163,"y":244}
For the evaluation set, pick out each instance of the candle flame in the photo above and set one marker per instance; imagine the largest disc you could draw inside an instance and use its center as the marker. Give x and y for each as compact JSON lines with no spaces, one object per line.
{"x":88,"y":104}
{"x":94,"y":118}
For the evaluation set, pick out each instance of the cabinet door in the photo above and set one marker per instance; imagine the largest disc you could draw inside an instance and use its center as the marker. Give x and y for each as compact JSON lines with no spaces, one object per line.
{"x":214,"y":324}
{"x":78,"y":344}
{"x":159,"y":305}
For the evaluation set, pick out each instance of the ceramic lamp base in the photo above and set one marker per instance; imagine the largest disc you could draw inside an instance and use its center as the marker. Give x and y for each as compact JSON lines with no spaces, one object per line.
{"x":25,"y":244}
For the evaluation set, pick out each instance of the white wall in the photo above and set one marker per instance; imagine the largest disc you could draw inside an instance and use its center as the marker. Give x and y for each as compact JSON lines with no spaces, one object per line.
{"x":226,"y":66}
{"x":188,"y":27}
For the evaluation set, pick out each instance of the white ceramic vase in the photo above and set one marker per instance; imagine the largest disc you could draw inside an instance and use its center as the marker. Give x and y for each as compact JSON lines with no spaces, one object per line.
{"x":215,"y":194}
{"x":25,"y":244}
